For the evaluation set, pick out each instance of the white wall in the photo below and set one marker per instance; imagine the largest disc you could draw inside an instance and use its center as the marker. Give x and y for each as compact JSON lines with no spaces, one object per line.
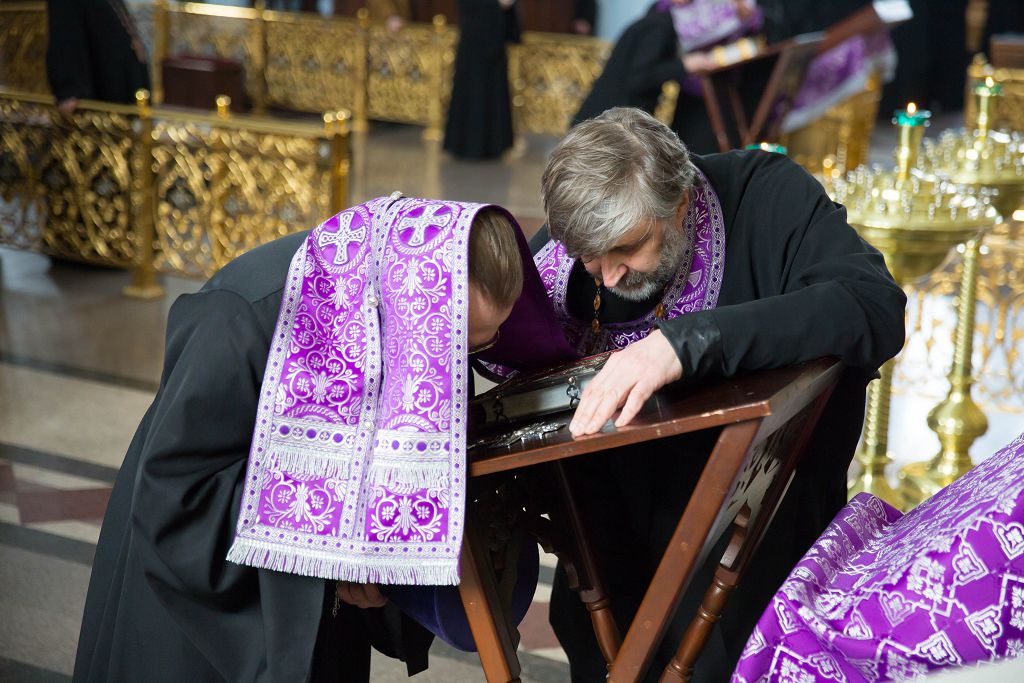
{"x":615,"y":15}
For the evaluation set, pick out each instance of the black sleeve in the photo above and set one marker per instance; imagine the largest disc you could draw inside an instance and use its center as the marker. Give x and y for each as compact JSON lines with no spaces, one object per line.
{"x":192,"y":465}
{"x":67,"y":52}
{"x":823,"y":291}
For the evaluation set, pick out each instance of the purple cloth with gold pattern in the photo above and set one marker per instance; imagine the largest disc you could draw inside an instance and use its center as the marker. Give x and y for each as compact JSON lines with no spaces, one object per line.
{"x":839,"y":74}
{"x":702,"y":24}
{"x":695,"y":286}
{"x":357,"y":466}
{"x":883,"y":596}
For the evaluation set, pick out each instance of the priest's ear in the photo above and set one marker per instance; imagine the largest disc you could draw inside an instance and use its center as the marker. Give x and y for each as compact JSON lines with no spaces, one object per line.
{"x":684,"y":205}
{"x":495,"y":265}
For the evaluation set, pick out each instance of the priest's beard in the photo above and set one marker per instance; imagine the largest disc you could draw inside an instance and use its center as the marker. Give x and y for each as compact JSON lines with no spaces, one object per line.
{"x":640,"y":286}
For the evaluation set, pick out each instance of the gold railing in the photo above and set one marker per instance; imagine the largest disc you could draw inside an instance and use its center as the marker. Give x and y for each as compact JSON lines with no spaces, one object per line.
{"x":23,"y":46}
{"x":550,"y":74}
{"x":304,"y":62}
{"x":158,"y":189}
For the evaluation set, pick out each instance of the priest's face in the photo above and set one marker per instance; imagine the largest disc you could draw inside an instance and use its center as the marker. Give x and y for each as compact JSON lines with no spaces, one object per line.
{"x":644,"y":260}
{"x":484,"y":320}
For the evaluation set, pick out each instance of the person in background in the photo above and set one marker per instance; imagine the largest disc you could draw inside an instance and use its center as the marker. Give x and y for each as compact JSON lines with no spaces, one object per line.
{"x":94,"y":52}
{"x":480,"y":113}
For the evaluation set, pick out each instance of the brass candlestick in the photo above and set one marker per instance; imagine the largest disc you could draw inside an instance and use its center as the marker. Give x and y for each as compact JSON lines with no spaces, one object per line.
{"x":914,"y":223}
{"x":990,"y":163}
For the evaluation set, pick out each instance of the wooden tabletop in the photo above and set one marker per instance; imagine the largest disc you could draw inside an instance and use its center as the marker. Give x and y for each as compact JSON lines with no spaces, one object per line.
{"x":678,"y":410}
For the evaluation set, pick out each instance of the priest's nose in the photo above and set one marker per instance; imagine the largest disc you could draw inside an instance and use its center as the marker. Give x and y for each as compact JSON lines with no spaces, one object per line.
{"x":611,"y":272}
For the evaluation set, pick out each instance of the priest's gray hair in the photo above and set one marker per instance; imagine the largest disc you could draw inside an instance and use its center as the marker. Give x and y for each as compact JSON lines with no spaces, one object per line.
{"x":610,"y":174}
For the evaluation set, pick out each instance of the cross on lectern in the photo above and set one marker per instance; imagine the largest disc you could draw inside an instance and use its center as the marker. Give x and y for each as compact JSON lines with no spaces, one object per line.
{"x":345,"y":236}
{"x":428,"y":219}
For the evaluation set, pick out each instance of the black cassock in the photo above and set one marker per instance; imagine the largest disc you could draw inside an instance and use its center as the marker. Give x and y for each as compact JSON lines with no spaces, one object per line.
{"x":798,"y":284}
{"x":91,"y":54}
{"x":163,"y":603}
{"x":480,"y":113}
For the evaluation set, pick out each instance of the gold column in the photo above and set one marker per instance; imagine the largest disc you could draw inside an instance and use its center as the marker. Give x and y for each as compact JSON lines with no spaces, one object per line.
{"x":434,"y":131}
{"x":957,"y":420}
{"x":144,"y":284}
{"x":223,"y":104}
{"x":259,"y":58}
{"x":873,"y":455}
{"x":161,"y":38}
{"x":975,"y":18}
{"x":336,"y":126}
{"x":359,"y":122}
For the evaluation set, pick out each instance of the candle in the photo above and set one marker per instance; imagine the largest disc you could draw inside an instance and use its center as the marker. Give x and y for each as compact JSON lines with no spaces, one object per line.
{"x":986,"y":91}
{"x":911,"y":123}
{"x":912,"y":116}
{"x":768,"y":147}
{"x":988,"y":87}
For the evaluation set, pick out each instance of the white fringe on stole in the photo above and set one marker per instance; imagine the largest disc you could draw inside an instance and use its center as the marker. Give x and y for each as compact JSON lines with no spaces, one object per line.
{"x":300,"y":460}
{"x":405,"y":473}
{"x":358,"y":569}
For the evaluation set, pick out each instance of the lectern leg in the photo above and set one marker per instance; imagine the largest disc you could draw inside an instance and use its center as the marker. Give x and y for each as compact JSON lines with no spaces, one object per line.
{"x":487,"y":619}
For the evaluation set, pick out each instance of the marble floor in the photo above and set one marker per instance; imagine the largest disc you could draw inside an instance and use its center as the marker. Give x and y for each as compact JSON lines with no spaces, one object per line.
{"x":79,"y":364}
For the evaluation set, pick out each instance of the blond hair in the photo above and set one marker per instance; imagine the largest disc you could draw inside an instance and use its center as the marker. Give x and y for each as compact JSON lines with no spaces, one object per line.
{"x":495,"y":265}
{"x":610,"y":174}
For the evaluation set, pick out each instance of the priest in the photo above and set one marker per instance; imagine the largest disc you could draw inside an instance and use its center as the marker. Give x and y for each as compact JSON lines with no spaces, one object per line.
{"x":307,"y":442}
{"x":699,"y":266}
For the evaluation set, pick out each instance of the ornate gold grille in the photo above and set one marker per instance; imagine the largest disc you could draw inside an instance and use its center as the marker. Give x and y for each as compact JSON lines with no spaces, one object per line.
{"x":312,"y":61}
{"x":23,"y":46}
{"x":550,"y":74}
{"x":222,"y":191}
{"x":158,"y":189}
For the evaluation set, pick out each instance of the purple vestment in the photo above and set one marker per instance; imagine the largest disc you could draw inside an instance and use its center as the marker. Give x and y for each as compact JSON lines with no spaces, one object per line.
{"x":883,"y":596}
{"x":357,"y":469}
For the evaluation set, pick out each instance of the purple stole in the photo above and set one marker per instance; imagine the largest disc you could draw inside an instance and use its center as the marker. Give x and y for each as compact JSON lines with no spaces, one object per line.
{"x":883,"y":596}
{"x":358,"y":459}
{"x":695,"y":286}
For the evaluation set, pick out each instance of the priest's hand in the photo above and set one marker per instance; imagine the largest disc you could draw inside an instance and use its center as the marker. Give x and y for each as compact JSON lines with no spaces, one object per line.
{"x":628,"y":378}
{"x":360,"y":594}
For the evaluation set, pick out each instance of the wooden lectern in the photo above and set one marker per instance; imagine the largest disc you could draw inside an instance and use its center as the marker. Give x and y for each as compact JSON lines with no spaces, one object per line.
{"x":778,"y":71}
{"x":766,"y":420}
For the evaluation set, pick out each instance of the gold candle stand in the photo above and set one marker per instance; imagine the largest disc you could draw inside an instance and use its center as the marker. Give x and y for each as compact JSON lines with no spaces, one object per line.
{"x":991,"y":163}
{"x":914,"y":223}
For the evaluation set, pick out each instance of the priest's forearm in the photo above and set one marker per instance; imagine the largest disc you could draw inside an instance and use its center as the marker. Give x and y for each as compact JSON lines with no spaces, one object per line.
{"x":861,"y":324}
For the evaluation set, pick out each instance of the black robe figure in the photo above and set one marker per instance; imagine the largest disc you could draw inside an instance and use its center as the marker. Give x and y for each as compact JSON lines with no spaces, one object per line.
{"x":480,"y":113}
{"x":163,"y":603}
{"x":647,"y":54}
{"x":94,"y":51}
{"x":798,"y":284}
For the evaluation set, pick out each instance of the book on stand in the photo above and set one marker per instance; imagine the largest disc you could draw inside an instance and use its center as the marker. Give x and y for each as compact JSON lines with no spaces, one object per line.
{"x":536,"y":394}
